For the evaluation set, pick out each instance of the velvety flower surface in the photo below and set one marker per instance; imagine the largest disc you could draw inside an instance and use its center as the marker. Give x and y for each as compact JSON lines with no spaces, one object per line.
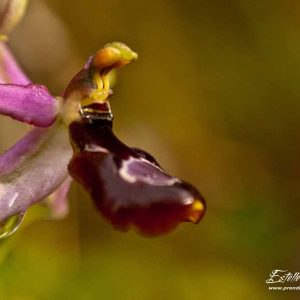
{"x":127,"y":185}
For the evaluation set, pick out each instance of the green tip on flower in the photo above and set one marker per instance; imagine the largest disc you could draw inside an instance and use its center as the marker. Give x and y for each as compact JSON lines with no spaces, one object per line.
{"x":125,"y":52}
{"x":11,"y":12}
{"x":113,"y":55}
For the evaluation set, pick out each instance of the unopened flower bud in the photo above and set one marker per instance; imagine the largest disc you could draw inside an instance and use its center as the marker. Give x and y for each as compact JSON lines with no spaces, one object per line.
{"x":11,"y":12}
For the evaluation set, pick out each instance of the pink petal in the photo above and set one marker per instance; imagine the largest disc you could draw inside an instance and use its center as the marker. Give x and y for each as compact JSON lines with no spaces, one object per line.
{"x":10,"y":71}
{"x":21,"y":151}
{"x":36,"y":166}
{"x":30,"y":103}
{"x":58,"y":200}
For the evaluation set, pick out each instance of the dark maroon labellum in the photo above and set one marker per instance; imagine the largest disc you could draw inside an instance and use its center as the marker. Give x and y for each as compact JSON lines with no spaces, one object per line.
{"x":127,"y":184}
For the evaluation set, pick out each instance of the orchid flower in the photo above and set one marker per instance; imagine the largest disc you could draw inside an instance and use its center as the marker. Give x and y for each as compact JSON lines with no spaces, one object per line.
{"x":73,"y":135}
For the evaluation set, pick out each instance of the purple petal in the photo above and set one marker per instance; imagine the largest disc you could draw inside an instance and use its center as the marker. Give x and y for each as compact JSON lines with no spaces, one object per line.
{"x":58,"y":200}
{"x":10,"y":71}
{"x":31,"y":103}
{"x":21,"y":151}
{"x":36,"y":167}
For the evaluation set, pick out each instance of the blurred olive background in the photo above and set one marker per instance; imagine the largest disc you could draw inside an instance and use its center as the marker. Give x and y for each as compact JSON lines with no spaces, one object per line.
{"x":215,"y":97}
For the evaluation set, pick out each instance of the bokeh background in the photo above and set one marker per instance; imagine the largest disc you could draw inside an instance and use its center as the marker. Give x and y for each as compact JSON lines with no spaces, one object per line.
{"x":215,"y":96}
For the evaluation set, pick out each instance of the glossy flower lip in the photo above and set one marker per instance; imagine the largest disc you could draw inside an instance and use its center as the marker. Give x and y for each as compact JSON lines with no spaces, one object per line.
{"x":127,"y":185}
